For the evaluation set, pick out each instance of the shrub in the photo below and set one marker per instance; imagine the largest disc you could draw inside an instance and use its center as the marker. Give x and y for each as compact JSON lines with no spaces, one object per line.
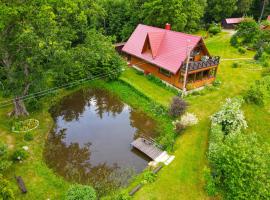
{"x":19,"y":155}
{"x":242,"y":50}
{"x":6,"y":192}
{"x":248,"y":33}
{"x":4,"y":162}
{"x":265,"y":60}
{"x":28,"y":136}
{"x":266,"y":72}
{"x":80,"y":192}
{"x":216,"y":83}
{"x":122,"y":196}
{"x":214,"y":29}
{"x":149,"y":177}
{"x":254,"y":95}
{"x":210,"y":185}
{"x":178,"y":107}
{"x":235,"y":65}
{"x":178,"y":127}
{"x":188,"y":119}
{"x":230,"y":117}
{"x":234,"y":41}
{"x":159,"y":82}
{"x":139,"y":72}
{"x":33,"y":104}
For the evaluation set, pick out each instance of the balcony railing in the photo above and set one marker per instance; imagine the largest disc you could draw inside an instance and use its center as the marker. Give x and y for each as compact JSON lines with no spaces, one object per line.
{"x":192,"y":66}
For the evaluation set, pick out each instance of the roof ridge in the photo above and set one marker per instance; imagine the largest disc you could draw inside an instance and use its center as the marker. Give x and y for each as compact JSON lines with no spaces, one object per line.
{"x":178,"y":32}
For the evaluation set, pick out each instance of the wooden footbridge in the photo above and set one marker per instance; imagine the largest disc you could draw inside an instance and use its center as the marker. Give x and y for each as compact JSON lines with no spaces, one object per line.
{"x":152,"y":149}
{"x":148,"y":147}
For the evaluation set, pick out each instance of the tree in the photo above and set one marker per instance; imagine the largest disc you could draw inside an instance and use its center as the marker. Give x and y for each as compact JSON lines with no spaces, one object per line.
{"x":243,"y":6}
{"x":264,"y":4}
{"x":248,"y":33}
{"x":183,"y":15}
{"x":241,"y":166}
{"x":122,"y":17}
{"x":230,"y":117}
{"x":38,"y":38}
{"x":219,"y":9}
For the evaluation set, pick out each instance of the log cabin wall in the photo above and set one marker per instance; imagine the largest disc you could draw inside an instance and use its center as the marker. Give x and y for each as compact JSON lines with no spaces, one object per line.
{"x":149,"y":68}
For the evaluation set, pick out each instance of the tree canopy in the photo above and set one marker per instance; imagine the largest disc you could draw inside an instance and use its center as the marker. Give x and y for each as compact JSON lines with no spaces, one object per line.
{"x":39,"y":37}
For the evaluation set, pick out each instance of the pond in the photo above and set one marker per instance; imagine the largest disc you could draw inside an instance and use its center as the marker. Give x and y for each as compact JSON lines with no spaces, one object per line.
{"x":90,"y":142}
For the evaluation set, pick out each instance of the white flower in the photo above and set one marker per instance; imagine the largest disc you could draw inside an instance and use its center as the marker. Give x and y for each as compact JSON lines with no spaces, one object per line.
{"x":189,"y":119}
{"x":26,"y":148}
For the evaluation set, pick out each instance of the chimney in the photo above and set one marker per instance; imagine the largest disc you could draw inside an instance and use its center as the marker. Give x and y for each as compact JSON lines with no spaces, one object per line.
{"x":168,"y":26}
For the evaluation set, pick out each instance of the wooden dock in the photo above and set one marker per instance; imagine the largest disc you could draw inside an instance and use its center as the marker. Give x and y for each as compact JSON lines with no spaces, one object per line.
{"x":148,"y":147}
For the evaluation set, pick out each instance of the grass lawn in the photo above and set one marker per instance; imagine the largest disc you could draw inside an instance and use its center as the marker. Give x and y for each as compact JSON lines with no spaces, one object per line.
{"x":183,"y":178}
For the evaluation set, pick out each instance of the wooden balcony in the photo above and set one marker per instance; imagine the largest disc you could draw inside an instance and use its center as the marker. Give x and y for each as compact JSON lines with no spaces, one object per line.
{"x":199,"y":65}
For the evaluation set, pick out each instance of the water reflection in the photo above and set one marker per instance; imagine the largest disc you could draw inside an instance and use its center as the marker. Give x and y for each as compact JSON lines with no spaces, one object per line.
{"x":90,"y":142}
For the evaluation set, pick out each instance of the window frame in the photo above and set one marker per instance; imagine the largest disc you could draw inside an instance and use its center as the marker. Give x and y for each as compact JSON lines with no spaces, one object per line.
{"x":165,"y":72}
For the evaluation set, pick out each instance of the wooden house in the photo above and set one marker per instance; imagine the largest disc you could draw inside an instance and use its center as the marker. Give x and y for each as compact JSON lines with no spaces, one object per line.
{"x":231,"y":23}
{"x":164,"y":54}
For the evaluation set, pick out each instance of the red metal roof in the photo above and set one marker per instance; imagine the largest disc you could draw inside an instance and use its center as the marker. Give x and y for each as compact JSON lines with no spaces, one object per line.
{"x":268,"y":18}
{"x":169,"y":48}
{"x":234,"y":20}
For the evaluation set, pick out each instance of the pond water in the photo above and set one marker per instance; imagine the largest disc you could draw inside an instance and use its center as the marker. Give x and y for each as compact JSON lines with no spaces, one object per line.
{"x":90,"y":142}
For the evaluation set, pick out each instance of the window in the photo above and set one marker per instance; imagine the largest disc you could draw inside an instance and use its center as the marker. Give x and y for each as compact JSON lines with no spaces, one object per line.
{"x":165,"y":72}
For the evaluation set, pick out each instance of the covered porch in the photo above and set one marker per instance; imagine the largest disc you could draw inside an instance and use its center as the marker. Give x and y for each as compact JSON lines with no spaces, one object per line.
{"x":200,"y":73}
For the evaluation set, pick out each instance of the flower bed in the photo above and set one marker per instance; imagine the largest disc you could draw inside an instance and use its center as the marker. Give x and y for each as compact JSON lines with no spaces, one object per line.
{"x":25,"y":126}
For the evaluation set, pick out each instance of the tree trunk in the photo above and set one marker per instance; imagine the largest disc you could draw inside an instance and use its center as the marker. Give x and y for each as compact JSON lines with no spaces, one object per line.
{"x":19,"y":108}
{"x":262,"y":11}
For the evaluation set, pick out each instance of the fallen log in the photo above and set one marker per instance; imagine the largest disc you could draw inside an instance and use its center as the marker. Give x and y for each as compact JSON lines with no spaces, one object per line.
{"x":21,"y":184}
{"x":134,"y":190}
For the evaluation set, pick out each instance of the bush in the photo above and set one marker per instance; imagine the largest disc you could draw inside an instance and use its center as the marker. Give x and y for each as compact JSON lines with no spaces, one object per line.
{"x":214,"y":29}
{"x":216,"y":83}
{"x":210,"y":185}
{"x":254,"y":95}
{"x":248,"y":33}
{"x":188,"y":119}
{"x":178,"y":127}
{"x":4,"y":162}
{"x":33,"y":104}
{"x":139,"y":72}
{"x":19,"y":155}
{"x":80,"y":192}
{"x":28,"y":136}
{"x":230,"y":117}
{"x":178,"y":107}
{"x":235,"y":65}
{"x":265,"y":60}
{"x":122,"y":196}
{"x":149,"y":177}
{"x":159,"y":82}
{"x":266,"y":72}
{"x":6,"y":192}
{"x":242,"y":50}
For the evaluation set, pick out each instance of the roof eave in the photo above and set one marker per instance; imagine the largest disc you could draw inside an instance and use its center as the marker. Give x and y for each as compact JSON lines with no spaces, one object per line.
{"x":174,"y":72}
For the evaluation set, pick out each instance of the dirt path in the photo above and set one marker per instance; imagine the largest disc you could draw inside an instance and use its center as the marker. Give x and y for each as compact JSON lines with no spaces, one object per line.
{"x":230,"y":59}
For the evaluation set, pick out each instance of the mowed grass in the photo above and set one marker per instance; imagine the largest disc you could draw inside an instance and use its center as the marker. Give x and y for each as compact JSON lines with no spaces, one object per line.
{"x":183,"y":178}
